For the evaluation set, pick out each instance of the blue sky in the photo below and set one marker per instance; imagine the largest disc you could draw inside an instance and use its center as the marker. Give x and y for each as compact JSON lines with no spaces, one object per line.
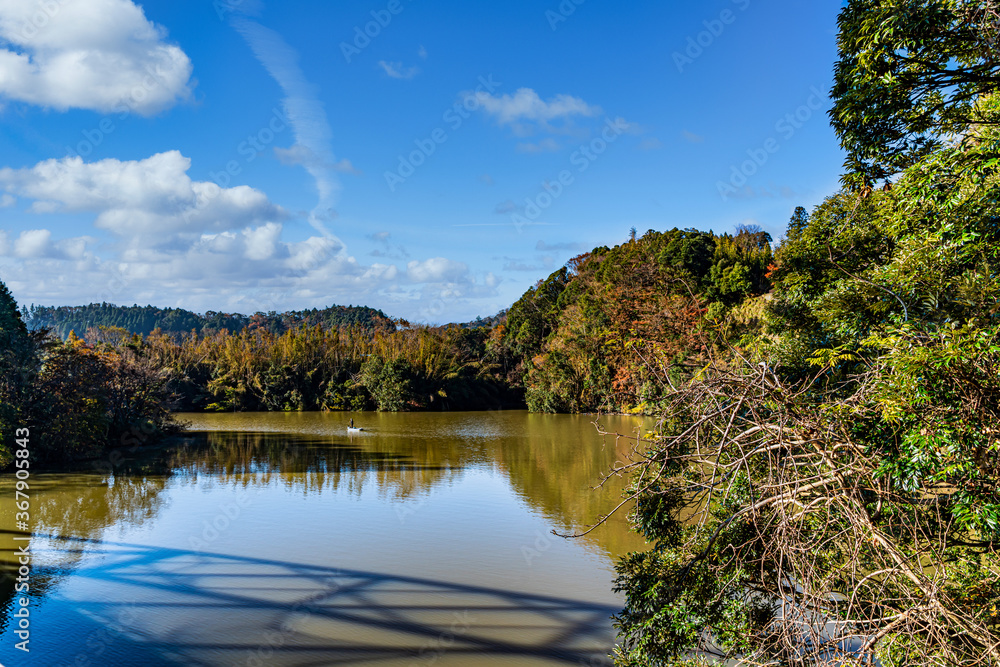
{"x":430,"y":158}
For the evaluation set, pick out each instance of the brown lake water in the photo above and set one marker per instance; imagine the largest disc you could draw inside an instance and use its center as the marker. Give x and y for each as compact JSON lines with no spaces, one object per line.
{"x":281,"y":539}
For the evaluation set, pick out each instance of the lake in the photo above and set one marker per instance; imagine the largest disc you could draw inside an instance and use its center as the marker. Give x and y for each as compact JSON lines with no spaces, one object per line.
{"x":282,"y":539}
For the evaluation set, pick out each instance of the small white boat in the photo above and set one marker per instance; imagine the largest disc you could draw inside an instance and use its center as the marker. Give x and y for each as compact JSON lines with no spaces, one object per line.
{"x":351,"y":429}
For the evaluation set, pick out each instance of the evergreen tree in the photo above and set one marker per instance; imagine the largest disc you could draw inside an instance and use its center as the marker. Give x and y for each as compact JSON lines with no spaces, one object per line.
{"x":798,"y":223}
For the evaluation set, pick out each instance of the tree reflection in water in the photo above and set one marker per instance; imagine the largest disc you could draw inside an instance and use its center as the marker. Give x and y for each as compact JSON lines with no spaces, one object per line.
{"x":550,"y":463}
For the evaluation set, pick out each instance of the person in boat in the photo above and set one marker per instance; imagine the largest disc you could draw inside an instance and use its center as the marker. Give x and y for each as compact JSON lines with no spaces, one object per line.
{"x":352,"y":422}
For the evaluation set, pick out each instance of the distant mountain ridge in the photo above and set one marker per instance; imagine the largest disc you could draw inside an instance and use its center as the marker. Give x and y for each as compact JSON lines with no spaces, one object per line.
{"x":144,"y":320}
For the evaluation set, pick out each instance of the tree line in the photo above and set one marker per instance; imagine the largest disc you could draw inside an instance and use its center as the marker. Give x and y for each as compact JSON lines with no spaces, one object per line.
{"x":109,"y":386}
{"x":824,"y":491}
{"x":144,"y":320}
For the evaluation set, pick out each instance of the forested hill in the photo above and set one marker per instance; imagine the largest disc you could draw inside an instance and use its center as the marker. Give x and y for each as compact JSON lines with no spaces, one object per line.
{"x":143,"y":320}
{"x":610,"y":330}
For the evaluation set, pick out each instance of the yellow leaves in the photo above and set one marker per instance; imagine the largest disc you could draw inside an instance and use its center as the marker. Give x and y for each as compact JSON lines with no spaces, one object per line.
{"x":830,"y":358}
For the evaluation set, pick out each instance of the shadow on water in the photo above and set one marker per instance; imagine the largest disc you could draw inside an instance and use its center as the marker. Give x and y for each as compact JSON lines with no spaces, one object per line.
{"x":115,"y":602}
{"x":196,"y":608}
{"x":81,"y":501}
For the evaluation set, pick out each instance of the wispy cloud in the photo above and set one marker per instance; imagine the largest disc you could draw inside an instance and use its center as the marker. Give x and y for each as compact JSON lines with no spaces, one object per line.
{"x":396,"y":70}
{"x":304,"y":156}
{"x":314,"y":139}
{"x":542,"y":246}
{"x":692,"y":137}
{"x":547,"y":145}
{"x":514,"y":264}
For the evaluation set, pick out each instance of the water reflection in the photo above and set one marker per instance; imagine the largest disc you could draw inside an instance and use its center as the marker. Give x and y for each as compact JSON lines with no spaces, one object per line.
{"x":76,"y":505}
{"x":304,"y":462}
{"x":402,"y":545}
{"x":553,"y":461}
{"x":282,"y":613}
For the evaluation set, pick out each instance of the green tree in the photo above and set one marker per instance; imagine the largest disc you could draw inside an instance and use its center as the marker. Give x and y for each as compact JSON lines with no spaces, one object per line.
{"x":18,"y":369}
{"x":910,"y":73}
{"x":829,"y":495}
{"x":387,"y":380}
{"x":798,"y":223}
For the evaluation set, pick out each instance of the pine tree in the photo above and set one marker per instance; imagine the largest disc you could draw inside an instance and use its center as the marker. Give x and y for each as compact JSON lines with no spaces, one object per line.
{"x":798,"y":223}
{"x":11,"y":325}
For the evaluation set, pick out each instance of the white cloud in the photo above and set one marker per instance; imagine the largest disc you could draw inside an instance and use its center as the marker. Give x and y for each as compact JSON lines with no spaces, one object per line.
{"x":101,"y":55}
{"x":75,"y":248}
{"x":33,"y":243}
{"x":183,"y":243}
{"x":525,"y":104}
{"x":153,"y":197}
{"x":6,"y":200}
{"x":438,"y":270}
{"x":313,"y":252}
{"x":396,"y":70}
{"x":216,"y":272}
{"x":262,"y":242}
